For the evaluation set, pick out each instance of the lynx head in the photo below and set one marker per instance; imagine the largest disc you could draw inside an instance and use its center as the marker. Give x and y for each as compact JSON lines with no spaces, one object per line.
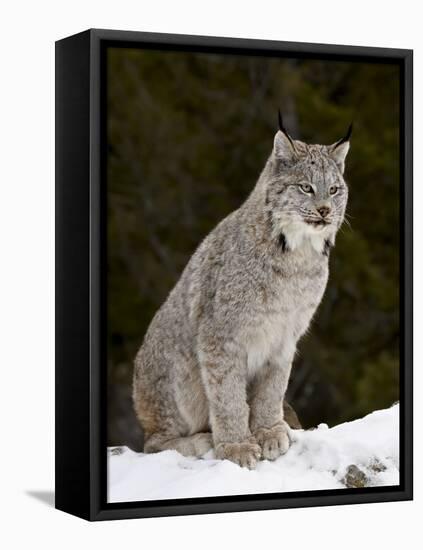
{"x":306,"y":193}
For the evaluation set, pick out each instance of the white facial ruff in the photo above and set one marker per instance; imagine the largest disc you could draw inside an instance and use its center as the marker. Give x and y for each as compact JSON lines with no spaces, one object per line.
{"x":302,"y":236}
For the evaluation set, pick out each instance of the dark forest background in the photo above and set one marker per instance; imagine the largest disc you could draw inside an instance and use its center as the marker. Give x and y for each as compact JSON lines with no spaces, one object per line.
{"x":188,"y":135}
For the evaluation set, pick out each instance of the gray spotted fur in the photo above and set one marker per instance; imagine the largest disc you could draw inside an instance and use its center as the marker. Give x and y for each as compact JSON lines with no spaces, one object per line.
{"x":214,"y":365}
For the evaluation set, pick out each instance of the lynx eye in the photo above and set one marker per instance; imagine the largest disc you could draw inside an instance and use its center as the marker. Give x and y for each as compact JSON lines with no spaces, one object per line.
{"x":333,"y":189}
{"x":306,"y":188}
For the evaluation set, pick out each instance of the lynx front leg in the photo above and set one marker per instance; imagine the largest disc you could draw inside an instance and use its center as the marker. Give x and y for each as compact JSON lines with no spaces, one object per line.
{"x":266,"y":409}
{"x":225,"y":381}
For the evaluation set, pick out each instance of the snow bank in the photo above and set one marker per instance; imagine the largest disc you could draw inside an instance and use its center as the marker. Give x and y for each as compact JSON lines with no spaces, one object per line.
{"x":361,"y":453}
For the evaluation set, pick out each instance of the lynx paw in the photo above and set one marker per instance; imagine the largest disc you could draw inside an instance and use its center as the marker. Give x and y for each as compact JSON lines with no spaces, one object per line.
{"x":273,"y":441}
{"x":246,"y":453}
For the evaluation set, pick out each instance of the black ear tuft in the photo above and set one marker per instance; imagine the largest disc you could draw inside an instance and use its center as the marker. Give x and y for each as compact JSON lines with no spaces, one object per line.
{"x":283,"y":130}
{"x":346,"y":137}
{"x":281,"y":126}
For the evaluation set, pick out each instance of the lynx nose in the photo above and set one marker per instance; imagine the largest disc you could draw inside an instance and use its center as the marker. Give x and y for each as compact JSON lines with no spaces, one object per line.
{"x":323,"y":211}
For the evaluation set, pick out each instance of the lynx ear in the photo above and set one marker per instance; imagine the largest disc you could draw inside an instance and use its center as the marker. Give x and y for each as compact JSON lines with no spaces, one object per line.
{"x":338,"y":151}
{"x":283,"y":145}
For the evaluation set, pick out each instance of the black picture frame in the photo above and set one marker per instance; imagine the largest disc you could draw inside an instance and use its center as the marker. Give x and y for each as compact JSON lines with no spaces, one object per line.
{"x":81,"y":392}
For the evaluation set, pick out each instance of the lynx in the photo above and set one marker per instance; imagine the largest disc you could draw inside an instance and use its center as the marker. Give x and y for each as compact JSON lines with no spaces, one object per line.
{"x":214,"y":365}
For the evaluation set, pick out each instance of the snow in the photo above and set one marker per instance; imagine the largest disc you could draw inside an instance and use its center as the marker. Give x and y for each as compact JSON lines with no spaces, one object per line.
{"x":320,"y":458}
